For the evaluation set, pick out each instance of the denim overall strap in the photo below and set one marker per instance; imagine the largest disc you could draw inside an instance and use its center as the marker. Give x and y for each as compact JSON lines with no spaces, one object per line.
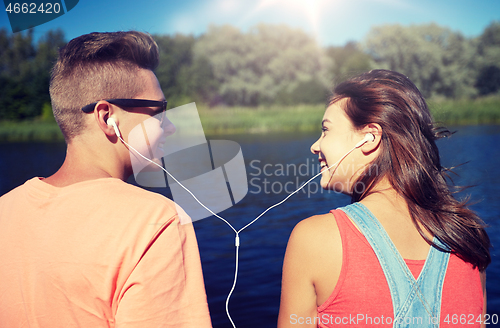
{"x":416,"y":303}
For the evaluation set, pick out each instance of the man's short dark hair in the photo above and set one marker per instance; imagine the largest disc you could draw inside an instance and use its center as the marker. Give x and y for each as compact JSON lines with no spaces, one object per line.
{"x":94,"y":67}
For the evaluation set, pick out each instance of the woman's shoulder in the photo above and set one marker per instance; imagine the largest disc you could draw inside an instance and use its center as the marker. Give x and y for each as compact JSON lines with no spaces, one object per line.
{"x":315,"y":234}
{"x":316,"y":225}
{"x":315,"y":248}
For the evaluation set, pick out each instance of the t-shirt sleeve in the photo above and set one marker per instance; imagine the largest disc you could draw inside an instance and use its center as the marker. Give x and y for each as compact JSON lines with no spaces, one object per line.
{"x":166,"y":287}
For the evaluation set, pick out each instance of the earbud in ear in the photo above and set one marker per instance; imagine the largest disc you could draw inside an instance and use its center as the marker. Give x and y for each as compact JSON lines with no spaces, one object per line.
{"x":368,"y":137}
{"x":112,"y":122}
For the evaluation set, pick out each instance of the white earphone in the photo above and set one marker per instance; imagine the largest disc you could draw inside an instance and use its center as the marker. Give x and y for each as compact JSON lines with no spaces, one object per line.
{"x":111,"y":121}
{"x":368,"y":137}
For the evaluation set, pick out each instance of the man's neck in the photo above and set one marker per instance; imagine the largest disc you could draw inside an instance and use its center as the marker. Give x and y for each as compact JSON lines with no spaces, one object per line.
{"x":84,"y":162}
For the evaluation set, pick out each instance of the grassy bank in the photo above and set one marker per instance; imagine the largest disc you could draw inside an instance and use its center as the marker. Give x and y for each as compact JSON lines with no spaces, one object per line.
{"x":230,"y":120}
{"x":32,"y":130}
{"x":245,"y":120}
{"x":466,"y":111}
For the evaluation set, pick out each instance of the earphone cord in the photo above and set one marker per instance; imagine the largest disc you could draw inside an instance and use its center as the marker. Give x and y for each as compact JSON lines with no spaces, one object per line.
{"x":237,"y":232}
{"x":180,"y":184}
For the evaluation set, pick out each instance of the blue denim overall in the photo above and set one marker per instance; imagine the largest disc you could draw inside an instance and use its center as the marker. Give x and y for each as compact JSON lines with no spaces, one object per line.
{"x":416,"y":303}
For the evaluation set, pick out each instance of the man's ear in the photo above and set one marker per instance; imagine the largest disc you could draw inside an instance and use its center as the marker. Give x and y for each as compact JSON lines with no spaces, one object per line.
{"x":102,"y":111}
{"x":376,"y":130}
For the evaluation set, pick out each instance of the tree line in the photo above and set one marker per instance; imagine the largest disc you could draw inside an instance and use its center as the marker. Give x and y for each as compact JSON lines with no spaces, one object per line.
{"x":269,"y":65}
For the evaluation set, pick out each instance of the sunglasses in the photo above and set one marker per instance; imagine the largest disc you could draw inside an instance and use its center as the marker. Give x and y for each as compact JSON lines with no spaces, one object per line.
{"x":129,"y":103}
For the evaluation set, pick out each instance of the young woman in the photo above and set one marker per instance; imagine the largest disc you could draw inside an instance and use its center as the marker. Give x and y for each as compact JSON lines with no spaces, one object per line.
{"x":406,"y":252}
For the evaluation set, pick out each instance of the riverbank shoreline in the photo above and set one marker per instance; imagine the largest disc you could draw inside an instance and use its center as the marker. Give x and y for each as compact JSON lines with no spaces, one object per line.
{"x":274,"y":118}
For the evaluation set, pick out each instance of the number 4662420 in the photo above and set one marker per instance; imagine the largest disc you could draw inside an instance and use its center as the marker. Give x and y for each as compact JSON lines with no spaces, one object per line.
{"x":33,"y":8}
{"x":471,"y":319}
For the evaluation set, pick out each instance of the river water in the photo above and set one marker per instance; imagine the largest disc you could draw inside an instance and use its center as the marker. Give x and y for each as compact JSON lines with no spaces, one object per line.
{"x":275,"y":165}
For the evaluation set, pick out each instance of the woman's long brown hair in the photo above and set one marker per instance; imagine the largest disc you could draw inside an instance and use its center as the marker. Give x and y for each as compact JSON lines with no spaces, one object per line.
{"x":409,"y":159}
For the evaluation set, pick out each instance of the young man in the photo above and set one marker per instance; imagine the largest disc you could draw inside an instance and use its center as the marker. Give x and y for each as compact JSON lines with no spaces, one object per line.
{"x":82,"y":248}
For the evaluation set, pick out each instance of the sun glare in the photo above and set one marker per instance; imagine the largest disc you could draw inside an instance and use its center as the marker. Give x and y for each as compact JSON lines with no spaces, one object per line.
{"x":288,"y":11}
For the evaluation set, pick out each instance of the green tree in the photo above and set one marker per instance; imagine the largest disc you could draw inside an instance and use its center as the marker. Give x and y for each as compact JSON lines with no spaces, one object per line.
{"x":46,"y":56}
{"x":490,"y":39}
{"x":438,"y":60}
{"x":182,"y":77}
{"x":25,"y":72}
{"x":488,"y":80}
{"x":488,"y":58}
{"x":16,"y":54}
{"x":266,"y":65}
{"x":349,"y":60}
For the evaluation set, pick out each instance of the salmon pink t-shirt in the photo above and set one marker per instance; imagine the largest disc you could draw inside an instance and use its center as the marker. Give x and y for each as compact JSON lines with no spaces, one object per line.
{"x":99,"y":253}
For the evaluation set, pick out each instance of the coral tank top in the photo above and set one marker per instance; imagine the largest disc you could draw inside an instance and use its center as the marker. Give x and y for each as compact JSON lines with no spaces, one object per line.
{"x":362,"y":298}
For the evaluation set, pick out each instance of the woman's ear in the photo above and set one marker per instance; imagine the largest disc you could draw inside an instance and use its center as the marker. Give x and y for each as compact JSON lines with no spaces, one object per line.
{"x":376,"y":130}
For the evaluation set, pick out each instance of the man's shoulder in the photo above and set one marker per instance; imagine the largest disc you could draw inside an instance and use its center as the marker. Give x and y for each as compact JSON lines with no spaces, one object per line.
{"x":129,"y":206}
{"x":111,"y":191}
{"x":18,"y":191}
{"x":120,"y":191}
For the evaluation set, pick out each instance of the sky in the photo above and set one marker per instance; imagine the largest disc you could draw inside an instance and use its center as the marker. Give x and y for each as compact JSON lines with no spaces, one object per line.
{"x":331,"y":22}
